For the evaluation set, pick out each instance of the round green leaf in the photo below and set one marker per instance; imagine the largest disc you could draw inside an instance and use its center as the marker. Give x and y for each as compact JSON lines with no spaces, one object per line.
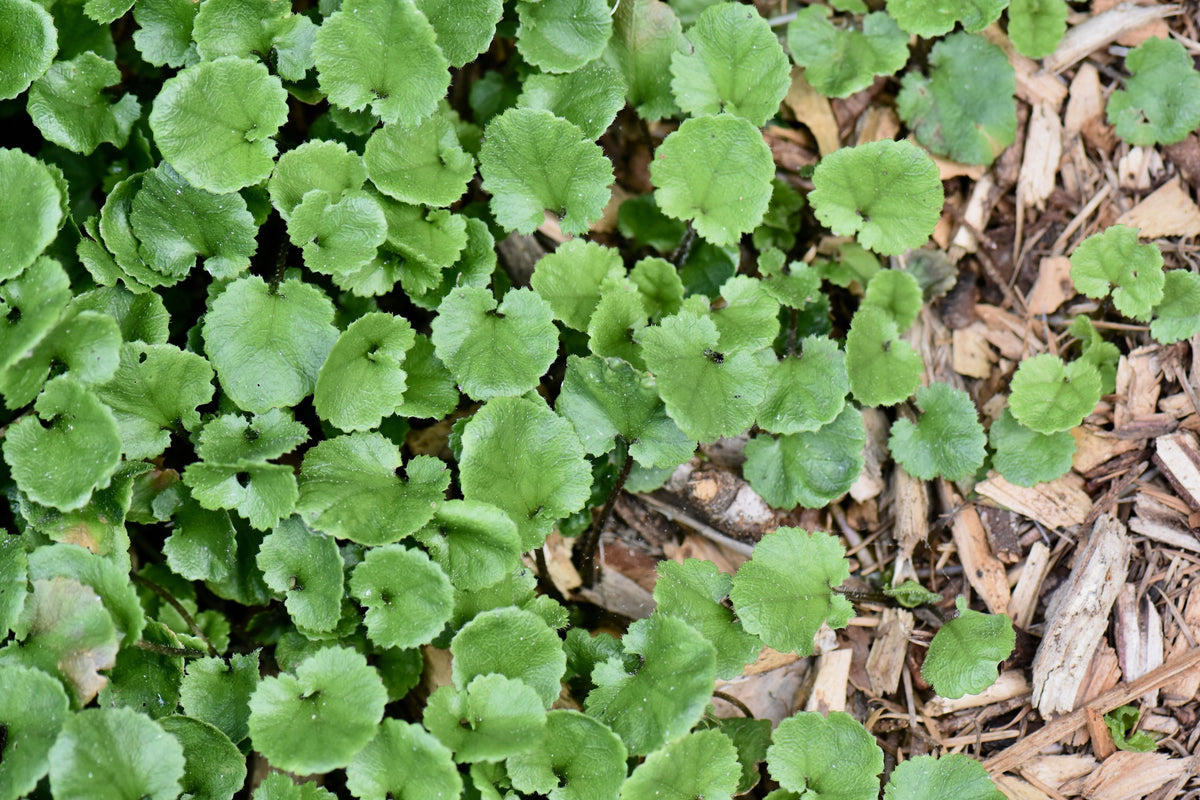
{"x":1037,"y":26}
{"x":422,"y":163}
{"x":946,"y":441}
{"x":362,"y":381}
{"x":619,"y":317}
{"x":581,"y":759}
{"x":382,"y":54}
{"x":214,"y":122}
{"x":145,"y":681}
{"x":1026,"y":457}
{"x":841,"y":61}
{"x":261,"y":493}
{"x":318,"y":719}
{"x":485,"y":645}
{"x":1175,"y":318}
{"x":659,"y":284}
{"x":106,"y":575}
{"x":735,"y":64}
{"x":886,"y":193}
{"x":431,"y":391}
{"x":306,"y":567}
{"x":964,"y":654}
{"x":785,"y":591}
{"x":87,"y":343}
{"x":589,"y":97}
{"x":164,"y":34}
{"x":1160,"y":103}
{"x":826,"y":756}
{"x":476,"y":544}
{"x":70,"y":109}
{"x":646,"y":33}
{"x":748,"y":319}
{"x":805,"y":392}
{"x":883,"y":368}
{"x":1116,"y":260}
{"x":30,"y":225}
{"x":30,"y":305}
{"x":28,"y":42}
{"x":953,"y":776}
{"x":532,"y":161}
{"x":33,"y":707}
{"x":403,"y":762}
{"x":694,"y":591}
{"x":328,"y":166}
{"x":408,"y":597}
{"x":232,"y":438}
{"x":278,"y":786}
{"x":339,"y":237}
{"x":14,"y":575}
{"x":256,"y":28}
{"x":570,"y":279}
{"x":115,"y":753}
{"x":1049,"y":396}
{"x":701,"y":764}
{"x":897,"y":293}
{"x":933,"y":18}
{"x":715,"y":171}
{"x":219,"y":693}
{"x":464,"y":30}
{"x":562,"y":36}
{"x":493,"y":718}
{"x":495,"y":352}
{"x":810,"y":468}
{"x":268,"y":345}
{"x":214,"y":769}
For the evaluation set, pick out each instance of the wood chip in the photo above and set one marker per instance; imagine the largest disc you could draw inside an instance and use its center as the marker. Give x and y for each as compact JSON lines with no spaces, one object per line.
{"x":770,"y":694}
{"x":911,"y":503}
{"x":1184,"y":688}
{"x":971,"y":355}
{"x":1078,"y":616}
{"x":1095,"y":447}
{"x":620,"y":595}
{"x":876,"y":124}
{"x":1156,"y":28}
{"x":982,"y":569}
{"x":1053,"y":286}
{"x":1085,"y":102}
{"x":976,"y":214}
{"x":1060,"y":503}
{"x":812,"y":110}
{"x":1010,"y":684}
{"x":1103,"y":674}
{"x":1043,"y":150}
{"x":1138,"y":632}
{"x":1034,"y":84}
{"x":1169,"y":211}
{"x":1029,"y":586}
{"x":1016,"y":788}
{"x":870,"y":481}
{"x":829,"y":689}
{"x":1126,"y":775}
{"x":1156,"y":520}
{"x":1178,"y":456}
{"x":1102,"y":30}
{"x":885,"y":662}
{"x":1010,"y":334}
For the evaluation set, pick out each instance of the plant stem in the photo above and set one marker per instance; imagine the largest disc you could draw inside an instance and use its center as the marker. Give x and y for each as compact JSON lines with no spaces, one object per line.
{"x":165,"y":650}
{"x":183,"y":612}
{"x":584,"y":554}
{"x":738,"y":704}
{"x":792,"y":332}
{"x":685,"y":247}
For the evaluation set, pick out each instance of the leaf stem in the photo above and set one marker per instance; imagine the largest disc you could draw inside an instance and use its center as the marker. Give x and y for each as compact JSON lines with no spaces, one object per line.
{"x":685,"y":247}
{"x":584,"y":555}
{"x":793,"y":331}
{"x":183,"y":612}
{"x":166,"y":650}
{"x":738,"y":704}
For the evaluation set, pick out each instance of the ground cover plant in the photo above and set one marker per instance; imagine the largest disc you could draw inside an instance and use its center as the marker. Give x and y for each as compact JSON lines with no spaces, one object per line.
{"x":282,"y":432}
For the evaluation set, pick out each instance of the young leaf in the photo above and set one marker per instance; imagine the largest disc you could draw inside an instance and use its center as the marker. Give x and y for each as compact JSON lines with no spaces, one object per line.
{"x":810,"y":468}
{"x":476,"y":544}
{"x":1049,"y":396}
{"x":363,"y":379}
{"x":532,"y":161}
{"x":70,"y":109}
{"x":659,"y":284}
{"x":663,"y":697}
{"x":1160,"y":103}
{"x":403,"y":761}
{"x":258,"y":28}
{"x":562,"y":36}
{"x":1037,"y":26}
{"x":382,"y":54}
{"x":338,"y":237}
{"x":615,"y":324}
{"x":841,"y":61}
{"x":1121,"y":723}
{"x":493,"y":718}
{"x":749,"y":317}
{"x":897,"y":293}
{"x":715,"y":171}
{"x":1026,"y":457}
{"x":30,"y":305}
{"x":589,"y":97}
{"x":826,"y":756}
{"x":113,"y":753}
{"x":1114,"y":259}
{"x":421,"y":163}
{"x":305,"y":567}
{"x":319,"y":718}
{"x":430,"y":391}
{"x":140,"y":317}
{"x":646,"y":33}
{"x":965,"y":652}
{"x":520,"y":456}
{"x":407,"y":596}
{"x":14,"y":572}
{"x":427,"y":241}
{"x":570,"y":278}
{"x":701,"y":764}
{"x":268,"y":344}
{"x":694,"y":591}
{"x":805,"y":392}
{"x":707,"y":392}
{"x":213,"y":766}
{"x":30,"y":225}
{"x":1176,"y":317}
{"x":33,"y":708}
{"x":279,"y":786}
{"x":214,"y":122}
{"x":931,"y":18}
{"x":965,"y":109}
{"x":350,"y":488}
{"x":219,"y":693}
{"x":484,"y":646}
{"x":1094,"y":350}
{"x":735,"y":64}
{"x":232,"y":438}
{"x":953,"y":776}
{"x":946,"y":441}
{"x":464,"y":30}
{"x":495,"y":352}
{"x":86,"y":343}
{"x":328,"y":166}
{"x":785,"y":591}
{"x":263,"y":494}
{"x":580,"y":759}
{"x":886,"y":193}
{"x":883,"y":368}
{"x":164,"y":33}
{"x":911,"y":594}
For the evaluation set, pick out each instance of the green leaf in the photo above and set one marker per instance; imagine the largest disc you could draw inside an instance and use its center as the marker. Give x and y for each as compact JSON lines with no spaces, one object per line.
{"x":709,"y":393}
{"x":279,"y":786}
{"x":805,"y":392}
{"x":69,"y":107}
{"x":785,"y":591}
{"x":581,"y":759}
{"x":363,"y":380}
{"x":403,"y":762}
{"x":1114,"y":259}
{"x":1121,"y":723}
{"x":1160,"y":103}
{"x":520,"y":456}
{"x":953,"y":776}
{"x":619,"y":317}
{"x":825,"y":756}
{"x":422,"y":163}
{"x":140,"y":317}
{"x":30,"y":306}
{"x":268,"y":346}
{"x":476,"y":544}
{"x":606,"y":399}
{"x":947,"y":440}
{"x":263,"y":494}
{"x":106,"y":11}
{"x":810,"y":468}
{"x":464,"y":30}
{"x":318,"y":719}
{"x":408,"y":598}
{"x":145,"y":681}
{"x":495,"y":351}
{"x":33,"y":708}
{"x":1177,"y":317}
{"x":327,"y":166}
{"x":213,"y":767}
{"x":164,"y":34}
{"x":264,"y":29}
{"x":932,"y":18}
{"x":693,"y":591}
{"x":663,"y":697}
{"x":232,"y":438}
{"x":570,"y":279}
{"x":897,"y":293}
{"x":421,"y":244}
{"x":886,"y":193}
{"x":70,"y":448}
{"x":722,"y":203}
{"x":564,"y":35}
{"x":306,"y":567}
{"x":430,"y":391}
{"x":883,"y":368}
{"x":1049,"y":396}
{"x":1026,"y":457}
{"x":115,"y":753}
{"x":701,"y":764}
{"x":350,"y":488}
{"x":589,"y":97}
{"x":339,"y":237}
{"x":965,"y":109}
{"x":31,"y":42}
{"x":911,"y":594}
{"x":841,"y":61}
{"x":1037,"y":26}
{"x":1097,"y":352}
{"x":214,"y":122}
{"x":493,"y":718}
{"x":87,"y":343}
{"x":659,"y":284}
{"x":532,"y":161}
{"x":734,"y":63}
{"x":646,"y":33}
{"x":31,"y":225}
{"x":485,"y":645}
{"x":14,"y":574}
{"x":219,"y":693}
{"x":964,"y":654}
{"x":106,"y":576}
{"x":748,"y":319}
